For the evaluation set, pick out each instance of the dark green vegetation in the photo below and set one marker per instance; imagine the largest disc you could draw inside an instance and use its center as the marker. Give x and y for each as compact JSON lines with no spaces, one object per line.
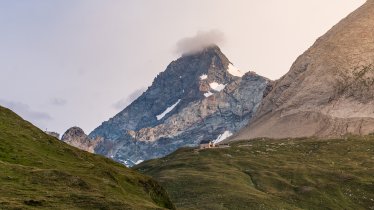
{"x":39,"y":172}
{"x":271,"y":174}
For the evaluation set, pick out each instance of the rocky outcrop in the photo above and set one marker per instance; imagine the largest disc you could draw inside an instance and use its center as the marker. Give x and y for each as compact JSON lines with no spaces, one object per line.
{"x":198,"y":97}
{"x":329,"y":90}
{"x":76,"y":137}
{"x":54,"y":134}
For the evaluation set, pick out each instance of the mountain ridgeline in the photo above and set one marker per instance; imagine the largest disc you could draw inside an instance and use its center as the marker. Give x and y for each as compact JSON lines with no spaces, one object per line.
{"x":198,"y":97}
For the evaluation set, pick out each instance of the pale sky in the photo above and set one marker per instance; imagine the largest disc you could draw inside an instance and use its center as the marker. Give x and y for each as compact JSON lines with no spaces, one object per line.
{"x":70,"y":63}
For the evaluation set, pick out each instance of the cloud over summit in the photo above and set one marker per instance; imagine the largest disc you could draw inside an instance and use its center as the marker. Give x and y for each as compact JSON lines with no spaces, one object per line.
{"x":201,"y":40}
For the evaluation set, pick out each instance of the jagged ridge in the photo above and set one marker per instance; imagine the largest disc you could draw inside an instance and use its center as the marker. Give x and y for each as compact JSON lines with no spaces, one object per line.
{"x":198,"y":97}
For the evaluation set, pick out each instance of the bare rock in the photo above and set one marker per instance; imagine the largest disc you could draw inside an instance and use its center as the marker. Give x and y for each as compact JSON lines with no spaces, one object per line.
{"x":198,"y":97}
{"x":329,"y":91}
{"x":76,"y":137}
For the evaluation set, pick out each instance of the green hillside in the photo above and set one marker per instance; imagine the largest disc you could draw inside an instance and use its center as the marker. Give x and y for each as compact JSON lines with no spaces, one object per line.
{"x":271,"y":174}
{"x":39,"y":172}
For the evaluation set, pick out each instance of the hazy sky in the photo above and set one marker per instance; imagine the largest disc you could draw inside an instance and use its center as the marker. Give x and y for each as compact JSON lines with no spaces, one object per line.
{"x":78,"y":62}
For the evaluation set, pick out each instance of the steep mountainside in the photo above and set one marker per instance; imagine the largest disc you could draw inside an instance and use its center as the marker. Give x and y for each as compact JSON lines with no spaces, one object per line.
{"x":270,"y":174}
{"x":38,"y":171}
{"x":329,"y":90}
{"x":198,"y":97}
{"x":178,"y":85}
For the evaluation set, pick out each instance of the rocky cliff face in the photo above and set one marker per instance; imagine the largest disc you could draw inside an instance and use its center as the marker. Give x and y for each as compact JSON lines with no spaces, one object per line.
{"x":76,"y":137}
{"x":198,"y":97}
{"x":329,"y":90}
{"x":178,"y":85}
{"x":212,"y":118}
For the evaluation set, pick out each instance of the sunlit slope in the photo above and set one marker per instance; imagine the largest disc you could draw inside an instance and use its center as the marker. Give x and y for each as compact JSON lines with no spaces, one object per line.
{"x":329,"y":90}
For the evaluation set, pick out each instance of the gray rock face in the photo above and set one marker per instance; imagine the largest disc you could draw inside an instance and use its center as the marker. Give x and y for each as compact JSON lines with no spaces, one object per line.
{"x":198,"y":97}
{"x":76,"y":137}
{"x":329,"y":90}
{"x":223,"y":113}
{"x":180,"y":80}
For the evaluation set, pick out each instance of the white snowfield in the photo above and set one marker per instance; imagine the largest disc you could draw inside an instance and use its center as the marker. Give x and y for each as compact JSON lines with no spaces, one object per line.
{"x":234,"y":71}
{"x":207,"y":94}
{"x":138,"y":162}
{"x":223,"y":136}
{"x":216,"y":86}
{"x":203,"y":77}
{"x":169,"y":109}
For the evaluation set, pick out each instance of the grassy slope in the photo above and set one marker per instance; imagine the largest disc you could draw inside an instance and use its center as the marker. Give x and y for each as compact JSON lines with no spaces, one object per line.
{"x":271,"y":174}
{"x":38,"y":171}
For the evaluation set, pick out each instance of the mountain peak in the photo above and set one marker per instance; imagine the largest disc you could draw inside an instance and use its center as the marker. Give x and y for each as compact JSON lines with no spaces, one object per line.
{"x":186,"y":79}
{"x":212,"y":48}
{"x":75,"y":136}
{"x":199,"y":96}
{"x":77,"y":131}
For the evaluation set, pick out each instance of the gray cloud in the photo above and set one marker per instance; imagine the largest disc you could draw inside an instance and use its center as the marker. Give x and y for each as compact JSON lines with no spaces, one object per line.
{"x":25,"y":112}
{"x":58,"y":101}
{"x":124,"y":102}
{"x":201,"y":40}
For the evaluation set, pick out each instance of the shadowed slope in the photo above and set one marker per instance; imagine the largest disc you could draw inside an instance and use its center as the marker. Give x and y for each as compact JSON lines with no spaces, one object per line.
{"x":39,"y":171}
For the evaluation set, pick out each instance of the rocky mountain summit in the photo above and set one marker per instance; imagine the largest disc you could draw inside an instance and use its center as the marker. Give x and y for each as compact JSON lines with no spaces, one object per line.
{"x":329,"y":90}
{"x":198,"y":97}
{"x":180,"y":84}
{"x":76,"y":137}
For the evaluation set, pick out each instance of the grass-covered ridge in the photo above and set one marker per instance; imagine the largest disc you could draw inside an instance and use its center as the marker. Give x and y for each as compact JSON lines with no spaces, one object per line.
{"x":271,"y":174}
{"x":40,"y":172}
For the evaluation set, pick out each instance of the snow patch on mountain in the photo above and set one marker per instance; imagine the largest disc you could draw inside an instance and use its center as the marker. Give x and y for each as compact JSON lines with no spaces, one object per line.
{"x":207,"y":94}
{"x":216,"y":86}
{"x":223,"y":136}
{"x":127,"y":163}
{"x":169,"y":109}
{"x":234,"y":71}
{"x":203,"y":77}
{"x":138,"y":162}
